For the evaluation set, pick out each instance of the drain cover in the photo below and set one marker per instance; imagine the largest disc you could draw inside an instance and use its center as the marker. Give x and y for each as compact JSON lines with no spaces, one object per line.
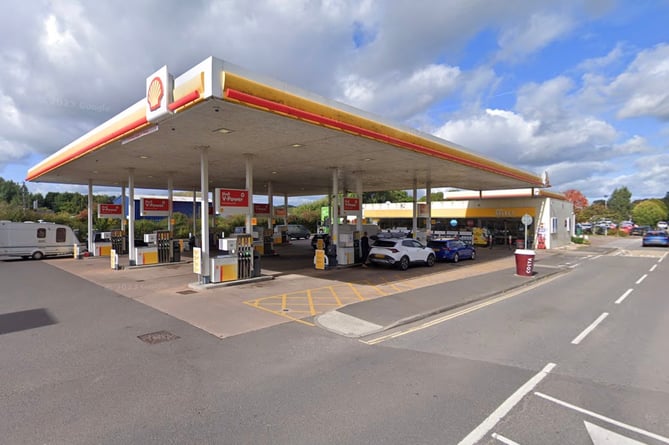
{"x":153,"y":338}
{"x":187,"y":292}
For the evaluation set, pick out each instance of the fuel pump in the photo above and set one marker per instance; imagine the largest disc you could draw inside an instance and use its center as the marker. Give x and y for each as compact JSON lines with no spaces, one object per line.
{"x":164,"y":245}
{"x":118,"y":242}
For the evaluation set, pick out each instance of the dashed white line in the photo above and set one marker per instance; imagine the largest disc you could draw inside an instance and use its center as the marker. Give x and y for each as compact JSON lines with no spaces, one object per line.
{"x":653,"y":268}
{"x":662,"y":258}
{"x":601,"y":417}
{"x":504,"y":440}
{"x":641,"y":279}
{"x":595,"y":257}
{"x":502,"y":410}
{"x":589,"y":329}
{"x":623,"y":296}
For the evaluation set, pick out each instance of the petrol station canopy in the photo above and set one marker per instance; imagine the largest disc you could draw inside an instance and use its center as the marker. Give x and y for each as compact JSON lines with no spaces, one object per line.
{"x":294,"y":139}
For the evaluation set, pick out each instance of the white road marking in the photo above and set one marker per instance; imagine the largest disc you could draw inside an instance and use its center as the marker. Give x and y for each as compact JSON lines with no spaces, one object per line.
{"x":623,"y":296}
{"x":502,"y":410}
{"x":503,"y":439}
{"x":595,"y":257}
{"x":653,"y":268}
{"x":604,"y":418}
{"x":589,"y":329}
{"x":574,"y":266}
{"x":641,"y":279}
{"x":662,"y":258}
{"x":602,"y":436}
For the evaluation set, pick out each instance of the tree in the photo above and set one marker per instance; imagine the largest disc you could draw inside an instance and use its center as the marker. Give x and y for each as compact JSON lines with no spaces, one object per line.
{"x":434,"y":197}
{"x":381,"y":197}
{"x":579,"y":201}
{"x":648,"y":213}
{"x":620,"y":203}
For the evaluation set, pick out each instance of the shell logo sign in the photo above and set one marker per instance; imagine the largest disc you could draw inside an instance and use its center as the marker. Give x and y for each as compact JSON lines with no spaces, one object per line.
{"x":110,"y":211}
{"x":155,"y":94}
{"x":154,"y":207}
{"x":159,"y":87}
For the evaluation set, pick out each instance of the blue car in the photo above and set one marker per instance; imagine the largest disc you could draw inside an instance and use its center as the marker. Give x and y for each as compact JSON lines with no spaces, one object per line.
{"x":452,"y":249}
{"x":655,"y":238}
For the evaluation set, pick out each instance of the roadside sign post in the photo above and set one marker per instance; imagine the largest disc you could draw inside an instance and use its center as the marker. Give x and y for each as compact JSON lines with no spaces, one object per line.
{"x":526,"y":220}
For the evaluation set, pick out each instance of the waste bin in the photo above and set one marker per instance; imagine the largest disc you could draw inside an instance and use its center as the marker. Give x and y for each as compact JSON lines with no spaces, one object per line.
{"x":520,"y":243}
{"x":524,"y":262}
{"x":176,"y":251}
{"x":256,"y":263}
{"x":331,"y":253}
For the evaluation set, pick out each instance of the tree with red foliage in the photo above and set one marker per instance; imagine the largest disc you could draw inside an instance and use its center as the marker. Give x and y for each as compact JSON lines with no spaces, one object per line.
{"x":577,"y":198}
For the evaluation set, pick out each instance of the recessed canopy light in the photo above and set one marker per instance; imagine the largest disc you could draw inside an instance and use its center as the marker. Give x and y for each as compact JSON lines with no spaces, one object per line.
{"x":223,"y":131}
{"x":368,"y":159}
{"x":274,"y":173}
{"x":297,"y":145}
{"x":143,"y":157}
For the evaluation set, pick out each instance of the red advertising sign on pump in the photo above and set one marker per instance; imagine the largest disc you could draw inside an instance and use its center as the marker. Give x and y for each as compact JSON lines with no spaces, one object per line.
{"x":110,"y":211}
{"x":231,"y":201}
{"x":154,"y":207}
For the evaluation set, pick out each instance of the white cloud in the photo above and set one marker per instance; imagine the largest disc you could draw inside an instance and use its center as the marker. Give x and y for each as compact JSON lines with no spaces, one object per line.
{"x":538,"y":31}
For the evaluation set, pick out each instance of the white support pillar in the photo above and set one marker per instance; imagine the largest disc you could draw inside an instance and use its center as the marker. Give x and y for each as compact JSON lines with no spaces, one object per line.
{"x":131,"y":217}
{"x":204,"y":213}
{"x":428,"y":198}
{"x":285,"y":209}
{"x":358,"y":192}
{"x":194,"y":212}
{"x":90,"y":216}
{"x":123,"y":208}
{"x":414,"y":229}
{"x":334,"y":236}
{"x":249,"y":187}
{"x":270,"y":200}
{"x":170,"y":196}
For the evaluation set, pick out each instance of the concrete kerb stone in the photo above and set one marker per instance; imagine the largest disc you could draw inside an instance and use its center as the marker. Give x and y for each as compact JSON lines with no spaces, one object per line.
{"x":353,"y":327}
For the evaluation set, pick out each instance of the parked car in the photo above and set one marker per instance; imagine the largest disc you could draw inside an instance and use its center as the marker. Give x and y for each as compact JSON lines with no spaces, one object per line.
{"x":451,"y":249}
{"x":297,"y":231}
{"x":655,"y":238}
{"x":640,"y":230}
{"x":585,"y":226}
{"x":662,"y":225}
{"x":400,"y":253}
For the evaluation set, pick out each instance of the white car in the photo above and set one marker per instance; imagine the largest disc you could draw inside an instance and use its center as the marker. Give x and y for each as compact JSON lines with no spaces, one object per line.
{"x":662,"y":225}
{"x":400,"y":252}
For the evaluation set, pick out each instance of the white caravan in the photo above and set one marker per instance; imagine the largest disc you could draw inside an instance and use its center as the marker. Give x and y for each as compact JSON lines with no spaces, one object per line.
{"x":36,"y":239}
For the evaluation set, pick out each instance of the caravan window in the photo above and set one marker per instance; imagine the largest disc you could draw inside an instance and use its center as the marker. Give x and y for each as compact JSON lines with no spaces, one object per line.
{"x":41,"y":233}
{"x":60,"y":235}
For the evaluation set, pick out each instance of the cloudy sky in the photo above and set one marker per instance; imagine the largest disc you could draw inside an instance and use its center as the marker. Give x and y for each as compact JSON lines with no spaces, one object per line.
{"x":577,"y":88}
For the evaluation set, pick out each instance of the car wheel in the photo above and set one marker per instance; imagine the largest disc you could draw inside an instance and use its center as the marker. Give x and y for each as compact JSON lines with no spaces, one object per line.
{"x":403,"y":263}
{"x":473,"y":255}
{"x":456,"y":258}
{"x":38,"y":255}
{"x":430,"y":260}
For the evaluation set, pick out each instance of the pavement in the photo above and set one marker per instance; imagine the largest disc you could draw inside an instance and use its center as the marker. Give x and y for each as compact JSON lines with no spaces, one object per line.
{"x":352,"y":302}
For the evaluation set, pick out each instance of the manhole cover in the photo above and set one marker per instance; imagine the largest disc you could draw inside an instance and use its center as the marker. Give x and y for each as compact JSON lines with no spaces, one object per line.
{"x":186,"y":292}
{"x":157,"y":337}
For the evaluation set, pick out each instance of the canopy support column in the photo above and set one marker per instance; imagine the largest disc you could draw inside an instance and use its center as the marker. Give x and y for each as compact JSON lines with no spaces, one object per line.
{"x":249,"y":188}
{"x":204,"y":213}
{"x":131,"y":217}
{"x":414,"y":228}
{"x":90,"y":216}
{"x":334,"y":237}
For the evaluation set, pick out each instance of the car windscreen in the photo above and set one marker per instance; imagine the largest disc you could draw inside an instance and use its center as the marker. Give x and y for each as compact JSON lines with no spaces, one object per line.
{"x":384,"y":243}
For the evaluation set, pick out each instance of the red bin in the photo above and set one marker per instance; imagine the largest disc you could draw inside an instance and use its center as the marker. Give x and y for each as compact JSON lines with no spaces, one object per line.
{"x":524,"y":262}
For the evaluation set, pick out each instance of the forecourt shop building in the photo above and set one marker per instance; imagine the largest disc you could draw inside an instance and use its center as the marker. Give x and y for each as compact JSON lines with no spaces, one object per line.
{"x":220,"y":128}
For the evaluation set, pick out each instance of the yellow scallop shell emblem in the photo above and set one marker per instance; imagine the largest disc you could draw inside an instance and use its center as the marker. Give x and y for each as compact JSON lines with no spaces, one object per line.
{"x":155,"y":94}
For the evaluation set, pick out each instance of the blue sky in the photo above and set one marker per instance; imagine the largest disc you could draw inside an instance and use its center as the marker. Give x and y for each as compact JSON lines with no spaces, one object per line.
{"x":575,"y":88}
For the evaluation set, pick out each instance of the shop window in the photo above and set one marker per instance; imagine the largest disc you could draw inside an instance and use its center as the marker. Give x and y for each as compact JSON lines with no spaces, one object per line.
{"x":41,"y":233}
{"x":60,"y":235}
